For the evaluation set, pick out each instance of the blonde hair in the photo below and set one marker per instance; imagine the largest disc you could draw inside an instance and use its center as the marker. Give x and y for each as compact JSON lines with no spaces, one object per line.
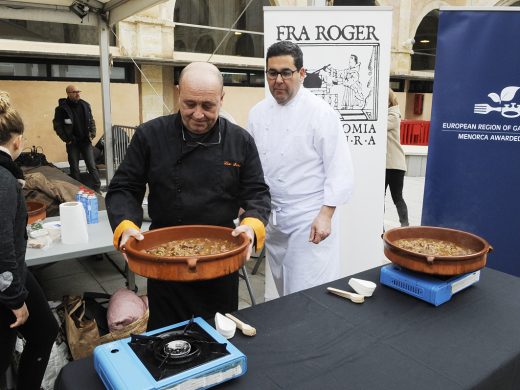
{"x":392,"y":98}
{"x":10,"y":120}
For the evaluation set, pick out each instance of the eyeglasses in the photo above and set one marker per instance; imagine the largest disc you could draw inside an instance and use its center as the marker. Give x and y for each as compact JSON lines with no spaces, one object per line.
{"x":285,"y":73}
{"x":197,"y":143}
{"x":74,"y":92}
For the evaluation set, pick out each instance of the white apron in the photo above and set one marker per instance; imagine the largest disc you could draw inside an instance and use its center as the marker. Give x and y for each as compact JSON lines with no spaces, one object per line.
{"x":307,"y":164}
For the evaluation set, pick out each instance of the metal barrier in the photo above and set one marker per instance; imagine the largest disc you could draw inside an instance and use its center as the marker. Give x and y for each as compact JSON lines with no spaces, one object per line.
{"x":414,"y":132}
{"x":121,"y":136}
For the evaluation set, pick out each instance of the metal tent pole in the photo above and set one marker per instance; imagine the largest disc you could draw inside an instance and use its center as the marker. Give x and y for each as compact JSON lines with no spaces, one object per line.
{"x":104,"y":65}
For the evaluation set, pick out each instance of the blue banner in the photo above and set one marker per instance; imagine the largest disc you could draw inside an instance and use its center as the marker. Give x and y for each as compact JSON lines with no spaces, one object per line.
{"x":473,"y":171}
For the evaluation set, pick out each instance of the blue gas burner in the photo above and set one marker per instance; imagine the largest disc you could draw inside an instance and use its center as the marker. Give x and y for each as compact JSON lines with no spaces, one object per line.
{"x":188,"y":355}
{"x":433,"y":289}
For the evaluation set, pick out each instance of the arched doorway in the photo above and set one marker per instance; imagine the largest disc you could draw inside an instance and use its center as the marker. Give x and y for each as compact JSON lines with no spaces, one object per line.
{"x":205,"y":44}
{"x":425,"y":45}
{"x":245,"y":46}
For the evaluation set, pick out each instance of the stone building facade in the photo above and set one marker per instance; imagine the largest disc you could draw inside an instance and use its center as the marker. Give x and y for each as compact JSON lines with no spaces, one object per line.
{"x":152,"y":46}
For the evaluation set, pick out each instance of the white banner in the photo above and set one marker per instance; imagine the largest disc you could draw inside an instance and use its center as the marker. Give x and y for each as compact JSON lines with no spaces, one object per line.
{"x":346,"y":52}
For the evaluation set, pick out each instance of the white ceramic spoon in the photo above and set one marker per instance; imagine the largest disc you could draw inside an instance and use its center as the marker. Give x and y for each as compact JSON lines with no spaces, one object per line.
{"x":356,"y":298}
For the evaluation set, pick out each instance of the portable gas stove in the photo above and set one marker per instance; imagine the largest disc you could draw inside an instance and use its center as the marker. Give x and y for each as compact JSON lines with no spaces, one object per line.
{"x":433,"y":289}
{"x":188,"y":355}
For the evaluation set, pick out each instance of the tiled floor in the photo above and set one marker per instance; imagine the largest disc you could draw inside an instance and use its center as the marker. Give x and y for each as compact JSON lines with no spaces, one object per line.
{"x":98,"y":274}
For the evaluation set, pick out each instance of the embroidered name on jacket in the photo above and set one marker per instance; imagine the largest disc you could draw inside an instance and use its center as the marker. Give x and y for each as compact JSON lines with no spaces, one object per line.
{"x":232,"y":164}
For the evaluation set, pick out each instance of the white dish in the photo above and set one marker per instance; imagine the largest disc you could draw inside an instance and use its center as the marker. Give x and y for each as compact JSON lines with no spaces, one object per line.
{"x":225,"y":326}
{"x":52,"y":225}
{"x":362,"y":287}
{"x":38,"y":233}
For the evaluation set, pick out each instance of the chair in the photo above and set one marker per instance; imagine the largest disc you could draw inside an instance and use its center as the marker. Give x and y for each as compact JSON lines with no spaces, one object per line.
{"x":416,"y":133}
{"x":245,"y":277}
{"x":259,"y":260}
{"x":121,"y":136}
{"x":406,"y":132}
{"x":425,"y":133}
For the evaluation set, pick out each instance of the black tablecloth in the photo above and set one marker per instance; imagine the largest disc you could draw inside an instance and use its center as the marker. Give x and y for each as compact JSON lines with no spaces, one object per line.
{"x":315,"y":340}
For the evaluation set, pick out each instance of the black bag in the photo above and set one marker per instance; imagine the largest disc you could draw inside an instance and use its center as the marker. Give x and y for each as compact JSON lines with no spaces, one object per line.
{"x":96,"y":306}
{"x":32,"y":158}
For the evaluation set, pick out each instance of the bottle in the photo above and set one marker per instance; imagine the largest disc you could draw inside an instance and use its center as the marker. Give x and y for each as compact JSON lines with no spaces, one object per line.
{"x":84,"y":202}
{"x":93,"y":208}
{"x":79,"y":193}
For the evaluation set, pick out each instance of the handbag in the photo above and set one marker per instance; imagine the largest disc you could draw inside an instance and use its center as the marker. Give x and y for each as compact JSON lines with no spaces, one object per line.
{"x":34,"y":158}
{"x":86,"y":323}
{"x":96,"y":306}
{"x":82,"y":333}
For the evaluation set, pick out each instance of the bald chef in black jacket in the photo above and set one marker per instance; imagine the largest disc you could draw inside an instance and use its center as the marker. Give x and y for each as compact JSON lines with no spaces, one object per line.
{"x":200,"y":169}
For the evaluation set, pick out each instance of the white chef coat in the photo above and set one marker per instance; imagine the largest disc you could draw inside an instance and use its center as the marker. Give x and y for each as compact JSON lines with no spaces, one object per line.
{"x":307,"y":164}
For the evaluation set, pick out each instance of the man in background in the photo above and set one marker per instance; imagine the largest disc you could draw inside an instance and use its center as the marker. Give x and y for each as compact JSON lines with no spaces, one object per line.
{"x":307,"y":165}
{"x":74,"y":124}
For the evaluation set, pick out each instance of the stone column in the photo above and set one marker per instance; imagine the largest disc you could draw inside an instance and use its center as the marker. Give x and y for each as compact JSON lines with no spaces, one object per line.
{"x":402,"y":45}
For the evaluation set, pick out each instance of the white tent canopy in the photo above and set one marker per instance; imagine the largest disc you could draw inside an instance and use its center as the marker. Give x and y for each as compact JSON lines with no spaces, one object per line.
{"x":101,"y":13}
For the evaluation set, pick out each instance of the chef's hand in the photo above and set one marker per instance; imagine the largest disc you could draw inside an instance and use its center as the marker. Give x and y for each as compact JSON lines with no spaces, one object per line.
{"x":130,"y":232}
{"x":21,"y":315}
{"x":321,"y":226}
{"x":127,"y":233}
{"x":250,"y":233}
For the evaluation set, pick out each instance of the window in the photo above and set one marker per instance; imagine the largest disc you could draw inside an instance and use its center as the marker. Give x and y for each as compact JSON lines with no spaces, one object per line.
{"x":202,"y":26}
{"x":425,"y":46}
{"x":29,"y":30}
{"x":22,"y":69}
{"x":235,"y":77}
{"x":421,"y":86}
{"x":84,"y":71}
{"x":60,"y":70}
{"x":397,"y":85}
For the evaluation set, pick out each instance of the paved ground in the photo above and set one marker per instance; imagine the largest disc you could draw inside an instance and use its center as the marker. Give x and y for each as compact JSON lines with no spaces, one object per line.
{"x":98,"y":274}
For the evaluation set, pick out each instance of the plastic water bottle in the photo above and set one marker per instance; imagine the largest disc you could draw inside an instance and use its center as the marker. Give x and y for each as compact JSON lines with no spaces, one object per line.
{"x":79,"y":193}
{"x":93,"y":208}
{"x":84,"y":202}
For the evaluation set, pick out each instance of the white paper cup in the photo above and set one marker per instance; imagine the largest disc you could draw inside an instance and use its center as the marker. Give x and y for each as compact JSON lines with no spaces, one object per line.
{"x":362,"y":287}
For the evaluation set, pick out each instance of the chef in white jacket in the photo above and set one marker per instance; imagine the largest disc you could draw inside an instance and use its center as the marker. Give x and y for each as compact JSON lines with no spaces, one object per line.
{"x":307,"y":165}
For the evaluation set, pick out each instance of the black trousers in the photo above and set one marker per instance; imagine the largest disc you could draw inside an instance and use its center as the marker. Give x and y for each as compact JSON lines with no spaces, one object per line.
{"x":39,"y":332}
{"x":172,"y":302}
{"x":395,"y":179}
{"x":74,"y":151}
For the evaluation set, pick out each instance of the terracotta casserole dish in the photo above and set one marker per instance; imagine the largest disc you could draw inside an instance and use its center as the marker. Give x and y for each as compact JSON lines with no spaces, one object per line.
{"x":185,"y":268}
{"x":436,"y":265}
{"x":36,"y":211}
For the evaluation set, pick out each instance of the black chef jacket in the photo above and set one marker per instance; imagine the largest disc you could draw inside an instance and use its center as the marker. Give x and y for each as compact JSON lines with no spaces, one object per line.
{"x":189,"y":184}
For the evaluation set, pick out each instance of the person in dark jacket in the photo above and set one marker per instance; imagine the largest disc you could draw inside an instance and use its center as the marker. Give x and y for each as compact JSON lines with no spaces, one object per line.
{"x":200,"y":169}
{"x":75,"y":125}
{"x":23,"y":306}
